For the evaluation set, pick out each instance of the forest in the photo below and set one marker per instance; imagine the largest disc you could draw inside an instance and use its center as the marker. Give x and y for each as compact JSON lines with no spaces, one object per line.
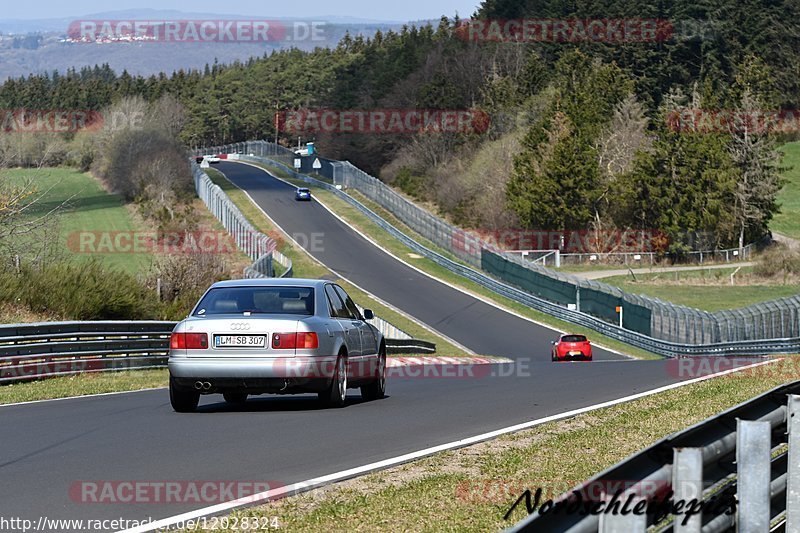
{"x":618,"y":134}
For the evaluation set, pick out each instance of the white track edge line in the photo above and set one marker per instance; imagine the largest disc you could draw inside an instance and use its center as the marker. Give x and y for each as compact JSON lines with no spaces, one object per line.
{"x":321,"y":481}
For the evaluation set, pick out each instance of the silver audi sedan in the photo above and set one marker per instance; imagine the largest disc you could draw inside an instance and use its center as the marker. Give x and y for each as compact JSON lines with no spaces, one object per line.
{"x":275,"y":336}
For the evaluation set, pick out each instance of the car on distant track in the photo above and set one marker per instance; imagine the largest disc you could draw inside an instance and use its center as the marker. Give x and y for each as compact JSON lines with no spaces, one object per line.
{"x":302,"y":194}
{"x":572,"y":348}
{"x":213,"y":159}
{"x":275,"y":336}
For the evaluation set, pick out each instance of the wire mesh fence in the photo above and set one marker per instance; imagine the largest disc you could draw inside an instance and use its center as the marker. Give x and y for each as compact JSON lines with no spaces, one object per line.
{"x":252,"y":242}
{"x":776,"y":319}
{"x":642,"y":259}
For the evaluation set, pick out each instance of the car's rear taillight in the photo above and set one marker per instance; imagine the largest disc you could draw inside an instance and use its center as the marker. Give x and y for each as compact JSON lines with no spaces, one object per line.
{"x":188,"y":341}
{"x":307,"y":341}
{"x":292,"y":341}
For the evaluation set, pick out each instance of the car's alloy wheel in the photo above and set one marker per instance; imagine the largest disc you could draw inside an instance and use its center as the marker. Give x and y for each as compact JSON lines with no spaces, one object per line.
{"x":337,"y":392}
{"x":376,"y":390}
{"x":182,"y":400}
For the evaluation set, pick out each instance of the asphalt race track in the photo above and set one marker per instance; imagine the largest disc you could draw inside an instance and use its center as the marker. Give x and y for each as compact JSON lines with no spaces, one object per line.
{"x":481,"y":327}
{"x":49,"y":448}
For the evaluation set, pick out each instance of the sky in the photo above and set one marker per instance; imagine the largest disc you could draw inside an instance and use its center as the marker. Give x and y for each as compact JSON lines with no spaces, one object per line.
{"x":369,"y":9}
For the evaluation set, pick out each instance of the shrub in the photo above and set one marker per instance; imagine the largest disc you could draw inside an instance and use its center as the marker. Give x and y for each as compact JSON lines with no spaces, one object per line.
{"x":778,"y":262}
{"x":184,"y":278}
{"x":79,"y":291}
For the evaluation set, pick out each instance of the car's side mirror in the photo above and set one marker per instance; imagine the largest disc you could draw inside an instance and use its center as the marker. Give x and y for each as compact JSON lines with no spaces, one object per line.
{"x":553,"y":343}
{"x":368,"y":314}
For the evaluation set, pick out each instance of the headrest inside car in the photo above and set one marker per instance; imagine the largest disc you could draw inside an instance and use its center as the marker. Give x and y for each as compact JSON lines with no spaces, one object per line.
{"x":294,"y":306}
{"x":290,"y":295}
{"x":227,"y":305}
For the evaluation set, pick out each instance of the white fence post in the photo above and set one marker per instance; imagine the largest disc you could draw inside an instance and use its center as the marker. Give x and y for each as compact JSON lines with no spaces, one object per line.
{"x":687,"y":483}
{"x":793,"y":478}
{"x":753,"y":448}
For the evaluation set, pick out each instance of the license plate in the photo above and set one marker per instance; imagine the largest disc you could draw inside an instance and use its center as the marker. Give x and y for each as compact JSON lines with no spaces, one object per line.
{"x":575,"y":353}
{"x":240,"y":341}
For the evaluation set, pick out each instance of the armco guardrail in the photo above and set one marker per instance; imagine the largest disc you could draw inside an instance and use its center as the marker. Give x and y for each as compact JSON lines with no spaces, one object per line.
{"x":676,"y":323}
{"x":409,"y":346}
{"x":657,"y":346}
{"x":739,"y":470}
{"x":52,"y":349}
{"x":33,"y":351}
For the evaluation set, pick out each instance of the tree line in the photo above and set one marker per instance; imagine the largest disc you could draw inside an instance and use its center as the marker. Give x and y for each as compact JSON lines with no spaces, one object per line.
{"x":581,"y":133}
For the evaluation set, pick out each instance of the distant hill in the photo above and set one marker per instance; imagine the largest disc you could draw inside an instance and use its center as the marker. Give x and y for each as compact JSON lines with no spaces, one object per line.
{"x":37,"y":46}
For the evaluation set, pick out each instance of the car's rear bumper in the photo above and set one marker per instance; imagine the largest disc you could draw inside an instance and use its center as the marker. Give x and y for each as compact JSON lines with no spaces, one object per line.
{"x":254,"y":376}
{"x":267,"y":368}
{"x":568,"y":357}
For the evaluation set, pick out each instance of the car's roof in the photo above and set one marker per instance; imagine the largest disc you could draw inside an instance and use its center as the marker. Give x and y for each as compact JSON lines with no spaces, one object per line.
{"x":302,"y":188}
{"x":271,"y":282}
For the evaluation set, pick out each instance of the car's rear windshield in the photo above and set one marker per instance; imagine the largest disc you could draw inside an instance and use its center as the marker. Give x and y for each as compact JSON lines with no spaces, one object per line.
{"x":573,"y":338}
{"x":257,"y":300}
{"x":303,"y":190}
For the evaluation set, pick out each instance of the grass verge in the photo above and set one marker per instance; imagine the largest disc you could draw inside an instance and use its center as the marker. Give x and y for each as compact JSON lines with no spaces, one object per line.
{"x":361,"y":222}
{"x":307,"y":267}
{"x":471,"y":489}
{"x":787,"y":222}
{"x":709,"y":290}
{"x":84,"y":384}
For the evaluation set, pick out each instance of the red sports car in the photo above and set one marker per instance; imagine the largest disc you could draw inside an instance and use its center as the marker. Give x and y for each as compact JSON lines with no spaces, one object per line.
{"x":572,"y":348}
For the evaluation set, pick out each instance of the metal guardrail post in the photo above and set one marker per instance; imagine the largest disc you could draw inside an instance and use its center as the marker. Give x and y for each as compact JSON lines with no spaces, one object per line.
{"x":622,"y":523}
{"x":793,"y":481}
{"x":687,"y":483}
{"x":753,"y":471}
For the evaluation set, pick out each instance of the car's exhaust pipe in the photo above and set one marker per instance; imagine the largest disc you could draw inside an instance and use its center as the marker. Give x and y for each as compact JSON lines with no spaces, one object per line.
{"x":202,"y":385}
{"x":206,"y":386}
{"x":198,"y":385}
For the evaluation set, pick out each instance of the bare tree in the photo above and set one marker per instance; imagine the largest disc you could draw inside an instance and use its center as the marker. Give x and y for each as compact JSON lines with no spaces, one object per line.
{"x":168,"y":114}
{"x":28,"y":223}
{"x":759,"y":180}
{"x":625,"y":135}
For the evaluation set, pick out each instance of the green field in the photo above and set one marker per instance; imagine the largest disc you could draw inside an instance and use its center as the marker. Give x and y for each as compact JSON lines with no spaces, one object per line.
{"x":90,"y":209}
{"x":787,"y":222}
{"x":709,"y":290}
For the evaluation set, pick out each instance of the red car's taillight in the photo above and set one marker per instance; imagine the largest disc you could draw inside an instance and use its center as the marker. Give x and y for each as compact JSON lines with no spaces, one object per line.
{"x":188,"y":341}
{"x":292,"y":341}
